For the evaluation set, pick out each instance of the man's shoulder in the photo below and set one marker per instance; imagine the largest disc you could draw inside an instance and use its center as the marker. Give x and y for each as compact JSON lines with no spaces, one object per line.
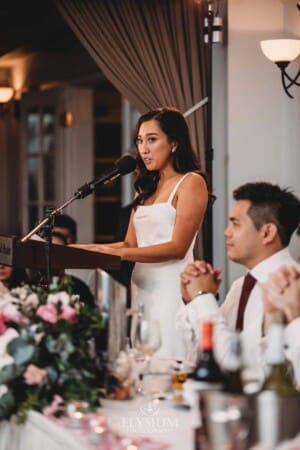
{"x":237,"y":283}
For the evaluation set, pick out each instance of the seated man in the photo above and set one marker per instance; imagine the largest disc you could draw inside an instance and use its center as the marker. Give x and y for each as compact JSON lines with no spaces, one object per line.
{"x":67,"y":226}
{"x":260,"y":227}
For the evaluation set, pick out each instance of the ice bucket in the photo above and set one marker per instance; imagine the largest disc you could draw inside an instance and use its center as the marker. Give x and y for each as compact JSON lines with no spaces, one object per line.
{"x":225,"y":421}
{"x":111,"y":298}
{"x":274,"y":418}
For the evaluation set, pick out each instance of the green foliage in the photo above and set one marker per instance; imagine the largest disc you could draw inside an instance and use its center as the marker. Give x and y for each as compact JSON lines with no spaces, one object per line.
{"x":50,"y":351}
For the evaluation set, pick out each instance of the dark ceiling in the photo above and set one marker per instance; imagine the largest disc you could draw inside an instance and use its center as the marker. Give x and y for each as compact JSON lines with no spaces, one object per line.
{"x":36,"y":27}
{"x":32,"y":25}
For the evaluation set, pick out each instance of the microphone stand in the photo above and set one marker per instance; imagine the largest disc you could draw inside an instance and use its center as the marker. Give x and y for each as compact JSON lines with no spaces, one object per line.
{"x":47,"y":222}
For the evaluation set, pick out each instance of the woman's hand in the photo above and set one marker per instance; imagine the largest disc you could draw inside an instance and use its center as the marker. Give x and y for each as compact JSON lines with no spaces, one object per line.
{"x":116,"y":249}
{"x":100,"y":248}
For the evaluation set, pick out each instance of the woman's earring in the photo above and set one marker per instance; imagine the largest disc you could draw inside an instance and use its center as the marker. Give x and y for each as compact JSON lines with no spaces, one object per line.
{"x":174,"y":149}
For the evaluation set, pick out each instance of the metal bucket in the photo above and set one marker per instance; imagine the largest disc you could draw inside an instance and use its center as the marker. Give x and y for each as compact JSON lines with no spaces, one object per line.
{"x":225,"y":421}
{"x":274,"y":418}
{"x":111,"y":298}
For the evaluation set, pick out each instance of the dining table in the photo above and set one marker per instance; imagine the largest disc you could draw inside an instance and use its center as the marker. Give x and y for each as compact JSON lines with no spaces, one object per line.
{"x":138,"y":424}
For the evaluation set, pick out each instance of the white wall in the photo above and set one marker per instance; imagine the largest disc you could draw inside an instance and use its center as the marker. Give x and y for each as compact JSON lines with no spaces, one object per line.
{"x":263,"y":124}
{"x":219,"y":144}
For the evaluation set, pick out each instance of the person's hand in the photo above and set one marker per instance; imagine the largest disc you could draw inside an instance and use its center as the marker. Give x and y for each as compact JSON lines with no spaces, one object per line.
{"x":291,"y":298}
{"x":281,"y":293}
{"x":199,"y":276}
{"x":100,"y":248}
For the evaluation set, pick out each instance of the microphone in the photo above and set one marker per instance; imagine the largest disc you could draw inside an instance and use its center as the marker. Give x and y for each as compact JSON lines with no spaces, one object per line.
{"x":124,"y":165}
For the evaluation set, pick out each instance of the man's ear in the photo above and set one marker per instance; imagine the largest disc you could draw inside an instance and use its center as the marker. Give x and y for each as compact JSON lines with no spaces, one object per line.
{"x":269,"y":232}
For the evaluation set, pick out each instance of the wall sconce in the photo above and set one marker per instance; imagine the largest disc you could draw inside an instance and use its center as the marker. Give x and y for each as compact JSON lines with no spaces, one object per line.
{"x":6,"y":94}
{"x":282,"y":52}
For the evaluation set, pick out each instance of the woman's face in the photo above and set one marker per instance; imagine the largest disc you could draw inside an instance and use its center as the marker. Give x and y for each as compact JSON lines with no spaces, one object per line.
{"x":154,"y":146}
{"x":5,"y":272}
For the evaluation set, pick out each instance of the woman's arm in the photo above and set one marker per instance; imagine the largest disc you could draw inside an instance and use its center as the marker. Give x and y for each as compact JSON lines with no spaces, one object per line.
{"x":191,"y":205}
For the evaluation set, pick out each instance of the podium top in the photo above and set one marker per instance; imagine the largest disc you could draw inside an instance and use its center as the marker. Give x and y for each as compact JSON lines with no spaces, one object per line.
{"x":32,"y":254}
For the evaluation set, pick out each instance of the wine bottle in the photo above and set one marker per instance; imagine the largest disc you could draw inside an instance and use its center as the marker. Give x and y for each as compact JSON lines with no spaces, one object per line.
{"x":208,"y":371}
{"x":233,"y":367}
{"x":279,"y":378}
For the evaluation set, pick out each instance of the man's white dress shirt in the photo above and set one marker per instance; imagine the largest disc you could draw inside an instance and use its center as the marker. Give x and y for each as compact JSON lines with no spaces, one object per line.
{"x":191,"y":315}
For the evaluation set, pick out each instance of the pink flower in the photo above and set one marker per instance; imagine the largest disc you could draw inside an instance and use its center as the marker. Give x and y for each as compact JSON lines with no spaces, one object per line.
{"x":48,"y":313}
{"x":68,"y":313}
{"x":3,"y":327}
{"x":35,"y":375}
{"x":55,"y":405}
{"x":12,"y":314}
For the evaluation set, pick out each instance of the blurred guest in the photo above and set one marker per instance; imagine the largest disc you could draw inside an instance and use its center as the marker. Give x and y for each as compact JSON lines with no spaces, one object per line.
{"x":12,"y":277}
{"x":67,"y":226}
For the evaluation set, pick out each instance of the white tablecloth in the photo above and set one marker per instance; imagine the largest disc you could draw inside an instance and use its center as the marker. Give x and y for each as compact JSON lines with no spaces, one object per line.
{"x":157,"y":420}
{"x":38,"y":433}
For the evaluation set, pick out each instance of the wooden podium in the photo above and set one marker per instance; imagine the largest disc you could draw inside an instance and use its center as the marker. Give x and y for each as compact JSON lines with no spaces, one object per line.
{"x":32,"y":254}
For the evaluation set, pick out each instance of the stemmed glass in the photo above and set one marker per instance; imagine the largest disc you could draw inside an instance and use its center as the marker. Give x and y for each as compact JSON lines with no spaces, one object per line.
{"x":147,"y":339}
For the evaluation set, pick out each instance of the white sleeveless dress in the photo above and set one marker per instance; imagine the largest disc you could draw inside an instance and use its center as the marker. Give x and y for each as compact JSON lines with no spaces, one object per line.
{"x":156,"y":286}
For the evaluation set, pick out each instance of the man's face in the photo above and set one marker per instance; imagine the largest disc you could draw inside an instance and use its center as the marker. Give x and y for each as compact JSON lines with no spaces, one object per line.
{"x":243,"y":240}
{"x":66,"y":232}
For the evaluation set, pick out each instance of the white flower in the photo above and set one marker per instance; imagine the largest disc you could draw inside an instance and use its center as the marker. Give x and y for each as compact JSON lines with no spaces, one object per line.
{"x":32,"y":301}
{"x":3,"y":389}
{"x":37,"y":336}
{"x":5,"y":339}
{"x":20,"y":292}
{"x":62,"y":297}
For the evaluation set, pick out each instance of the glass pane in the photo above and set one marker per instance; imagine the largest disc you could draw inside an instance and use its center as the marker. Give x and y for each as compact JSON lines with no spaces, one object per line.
{"x":107,"y":140}
{"x":32,"y":176}
{"x":48,"y":130}
{"x":33,"y":217}
{"x":48,"y":169}
{"x":33,"y":130}
{"x":107,"y":215}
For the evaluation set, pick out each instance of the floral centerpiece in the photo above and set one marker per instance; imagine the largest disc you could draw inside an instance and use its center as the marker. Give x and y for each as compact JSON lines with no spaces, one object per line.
{"x":47,"y":351}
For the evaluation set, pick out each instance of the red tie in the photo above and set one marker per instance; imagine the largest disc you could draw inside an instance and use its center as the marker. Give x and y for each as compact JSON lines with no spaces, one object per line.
{"x":249,"y":282}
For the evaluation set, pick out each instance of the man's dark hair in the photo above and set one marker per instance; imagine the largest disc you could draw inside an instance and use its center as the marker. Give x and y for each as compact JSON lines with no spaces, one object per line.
{"x":270,"y":203}
{"x":62,"y":237}
{"x":65,"y":221}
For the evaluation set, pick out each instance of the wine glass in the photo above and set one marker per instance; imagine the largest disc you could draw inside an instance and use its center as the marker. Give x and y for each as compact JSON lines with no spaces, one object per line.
{"x":148,"y":339}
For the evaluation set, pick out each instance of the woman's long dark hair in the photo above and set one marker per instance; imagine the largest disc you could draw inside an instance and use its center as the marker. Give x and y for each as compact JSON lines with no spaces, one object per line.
{"x":184,"y":159}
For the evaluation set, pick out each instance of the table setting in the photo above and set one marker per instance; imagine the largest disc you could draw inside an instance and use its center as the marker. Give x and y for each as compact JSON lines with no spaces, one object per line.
{"x":57,"y":392}
{"x":53,"y":381}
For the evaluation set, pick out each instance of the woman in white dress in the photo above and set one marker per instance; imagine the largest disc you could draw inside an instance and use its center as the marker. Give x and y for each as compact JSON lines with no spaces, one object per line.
{"x":168,"y":211}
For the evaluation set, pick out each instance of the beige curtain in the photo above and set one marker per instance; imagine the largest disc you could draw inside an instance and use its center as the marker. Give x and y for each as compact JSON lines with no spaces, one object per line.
{"x":152,"y":51}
